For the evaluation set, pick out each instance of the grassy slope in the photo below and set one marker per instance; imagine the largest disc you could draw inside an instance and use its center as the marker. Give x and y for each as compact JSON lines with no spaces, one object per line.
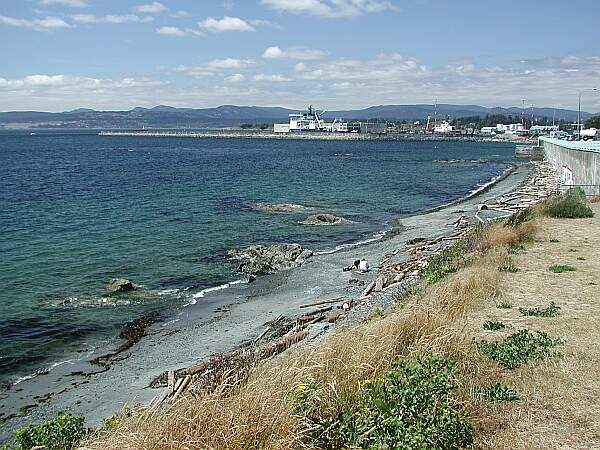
{"x":559,"y":397}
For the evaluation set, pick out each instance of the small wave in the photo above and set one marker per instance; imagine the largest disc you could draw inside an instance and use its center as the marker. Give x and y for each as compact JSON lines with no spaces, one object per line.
{"x":50,"y":368}
{"x":203,"y":292}
{"x":376,"y":238}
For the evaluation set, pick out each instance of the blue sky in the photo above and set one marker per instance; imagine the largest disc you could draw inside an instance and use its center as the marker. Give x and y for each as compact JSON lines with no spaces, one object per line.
{"x":107,"y":54}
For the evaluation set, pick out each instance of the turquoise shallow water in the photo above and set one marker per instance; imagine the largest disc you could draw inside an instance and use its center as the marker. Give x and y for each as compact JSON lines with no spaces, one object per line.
{"x":77,"y":209}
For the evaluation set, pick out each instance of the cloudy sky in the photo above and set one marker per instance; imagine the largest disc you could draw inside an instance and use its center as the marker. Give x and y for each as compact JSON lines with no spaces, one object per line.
{"x":117,"y":54}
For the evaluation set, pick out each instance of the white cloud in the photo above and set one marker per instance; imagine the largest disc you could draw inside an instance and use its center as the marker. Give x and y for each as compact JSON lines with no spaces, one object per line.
{"x":71,"y":3}
{"x":178,"y":32}
{"x":214,"y":67}
{"x":171,"y":31}
{"x":299,"y":53}
{"x":274,"y":78}
{"x":235,"y":78}
{"x":331,"y":8}
{"x":151,"y":8}
{"x":116,"y":19}
{"x":230,"y":63}
{"x":44,"y":24}
{"x":227,"y":23}
{"x":181,"y":13}
{"x":264,"y":23}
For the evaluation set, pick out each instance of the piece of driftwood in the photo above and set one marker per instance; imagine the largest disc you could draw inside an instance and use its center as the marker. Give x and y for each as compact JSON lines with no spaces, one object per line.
{"x":283,"y":343}
{"x":184,"y":384}
{"x":261,"y":335}
{"x":171,"y":381}
{"x":368,"y":289}
{"x":324,"y":302}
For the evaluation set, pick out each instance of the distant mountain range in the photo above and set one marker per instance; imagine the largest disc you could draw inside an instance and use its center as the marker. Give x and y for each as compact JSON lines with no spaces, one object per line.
{"x":228,"y":115}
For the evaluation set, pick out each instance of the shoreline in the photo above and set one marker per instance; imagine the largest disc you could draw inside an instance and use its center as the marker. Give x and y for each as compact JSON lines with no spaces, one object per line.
{"x":242,"y":308}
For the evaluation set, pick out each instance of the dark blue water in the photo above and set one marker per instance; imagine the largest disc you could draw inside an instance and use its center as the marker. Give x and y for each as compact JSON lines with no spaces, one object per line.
{"x":77,"y":209}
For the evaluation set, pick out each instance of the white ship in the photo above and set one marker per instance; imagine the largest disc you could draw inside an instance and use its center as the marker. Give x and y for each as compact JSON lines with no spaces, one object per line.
{"x":443,"y":127}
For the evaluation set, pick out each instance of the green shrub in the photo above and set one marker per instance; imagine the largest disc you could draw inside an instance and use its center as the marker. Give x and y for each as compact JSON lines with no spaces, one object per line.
{"x":61,"y":433}
{"x":504,"y":305}
{"x":515,"y":249}
{"x":411,"y":406}
{"x":493,"y":325}
{"x":568,"y":206}
{"x":550,"y":311}
{"x":500,"y":393}
{"x":554,"y":241}
{"x":452,"y":258}
{"x":519,"y":348}
{"x":577,"y":192}
{"x":522,"y":216}
{"x":509,"y":268}
{"x":560,"y":268}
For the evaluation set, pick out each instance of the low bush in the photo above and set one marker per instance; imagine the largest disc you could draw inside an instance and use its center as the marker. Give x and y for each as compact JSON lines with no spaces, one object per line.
{"x":508,"y":268}
{"x":61,"y":433}
{"x":519,"y":348}
{"x":516,"y":249}
{"x":560,"y":268}
{"x":525,"y":215}
{"x":570,"y":205}
{"x":504,"y":305}
{"x":493,"y":325}
{"x":412,"y":406}
{"x":550,"y":311}
{"x":501,"y":393}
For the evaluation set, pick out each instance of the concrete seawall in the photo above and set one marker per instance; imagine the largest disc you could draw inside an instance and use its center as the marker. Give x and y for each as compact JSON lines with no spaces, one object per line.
{"x":576,"y":163}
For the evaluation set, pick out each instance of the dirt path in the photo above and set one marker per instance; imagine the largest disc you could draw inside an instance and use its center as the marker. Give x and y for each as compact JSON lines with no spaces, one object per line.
{"x":560,"y":398}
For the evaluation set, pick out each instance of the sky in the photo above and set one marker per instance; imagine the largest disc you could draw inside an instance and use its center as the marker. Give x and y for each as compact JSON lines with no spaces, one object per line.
{"x":59,"y":55}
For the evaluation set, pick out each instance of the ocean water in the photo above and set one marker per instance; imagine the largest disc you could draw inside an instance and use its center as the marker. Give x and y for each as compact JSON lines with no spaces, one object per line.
{"x":77,"y":209}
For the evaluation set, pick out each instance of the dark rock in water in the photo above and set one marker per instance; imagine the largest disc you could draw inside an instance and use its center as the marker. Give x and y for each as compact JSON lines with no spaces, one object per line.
{"x":324,"y":219}
{"x":278,"y":207}
{"x":269,"y":258}
{"x":120,"y":285}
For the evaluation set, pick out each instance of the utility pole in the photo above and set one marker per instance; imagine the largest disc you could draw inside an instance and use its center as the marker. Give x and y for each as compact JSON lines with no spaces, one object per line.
{"x":579,"y":111}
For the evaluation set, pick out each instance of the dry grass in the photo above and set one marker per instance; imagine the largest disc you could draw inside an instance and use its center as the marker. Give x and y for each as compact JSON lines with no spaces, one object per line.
{"x":560,"y":398}
{"x":595,"y":199}
{"x":560,"y":402}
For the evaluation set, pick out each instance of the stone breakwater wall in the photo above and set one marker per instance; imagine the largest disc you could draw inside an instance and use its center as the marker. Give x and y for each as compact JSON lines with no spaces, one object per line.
{"x":577,"y":163}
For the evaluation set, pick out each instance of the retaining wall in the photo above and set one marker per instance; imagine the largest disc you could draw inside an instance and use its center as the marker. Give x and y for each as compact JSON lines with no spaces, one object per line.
{"x":577,"y":163}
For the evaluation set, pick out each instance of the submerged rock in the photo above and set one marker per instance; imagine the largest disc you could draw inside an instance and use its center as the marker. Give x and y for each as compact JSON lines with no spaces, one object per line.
{"x":269,"y":258}
{"x":324,"y":219}
{"x":278,"y":207}
{"x":120,"y":285}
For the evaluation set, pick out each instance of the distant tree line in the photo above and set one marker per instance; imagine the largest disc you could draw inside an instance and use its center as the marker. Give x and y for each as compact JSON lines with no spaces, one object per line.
{"x":593,"y":122}
{"x":257,"y":126}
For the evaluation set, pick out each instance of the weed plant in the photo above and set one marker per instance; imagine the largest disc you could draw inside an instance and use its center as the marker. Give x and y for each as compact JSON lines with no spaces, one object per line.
{"x":561,"y":268}
{"x":520,"y":348}
{"x":412,"y":406}
{"x":493,"y":325}
{"x":550,"y":311}
{"x":501,"y":393}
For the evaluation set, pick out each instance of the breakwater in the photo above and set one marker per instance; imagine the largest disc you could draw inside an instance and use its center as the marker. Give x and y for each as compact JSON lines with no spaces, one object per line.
{"x":576,"y":163}
{"x":286,"y":136}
